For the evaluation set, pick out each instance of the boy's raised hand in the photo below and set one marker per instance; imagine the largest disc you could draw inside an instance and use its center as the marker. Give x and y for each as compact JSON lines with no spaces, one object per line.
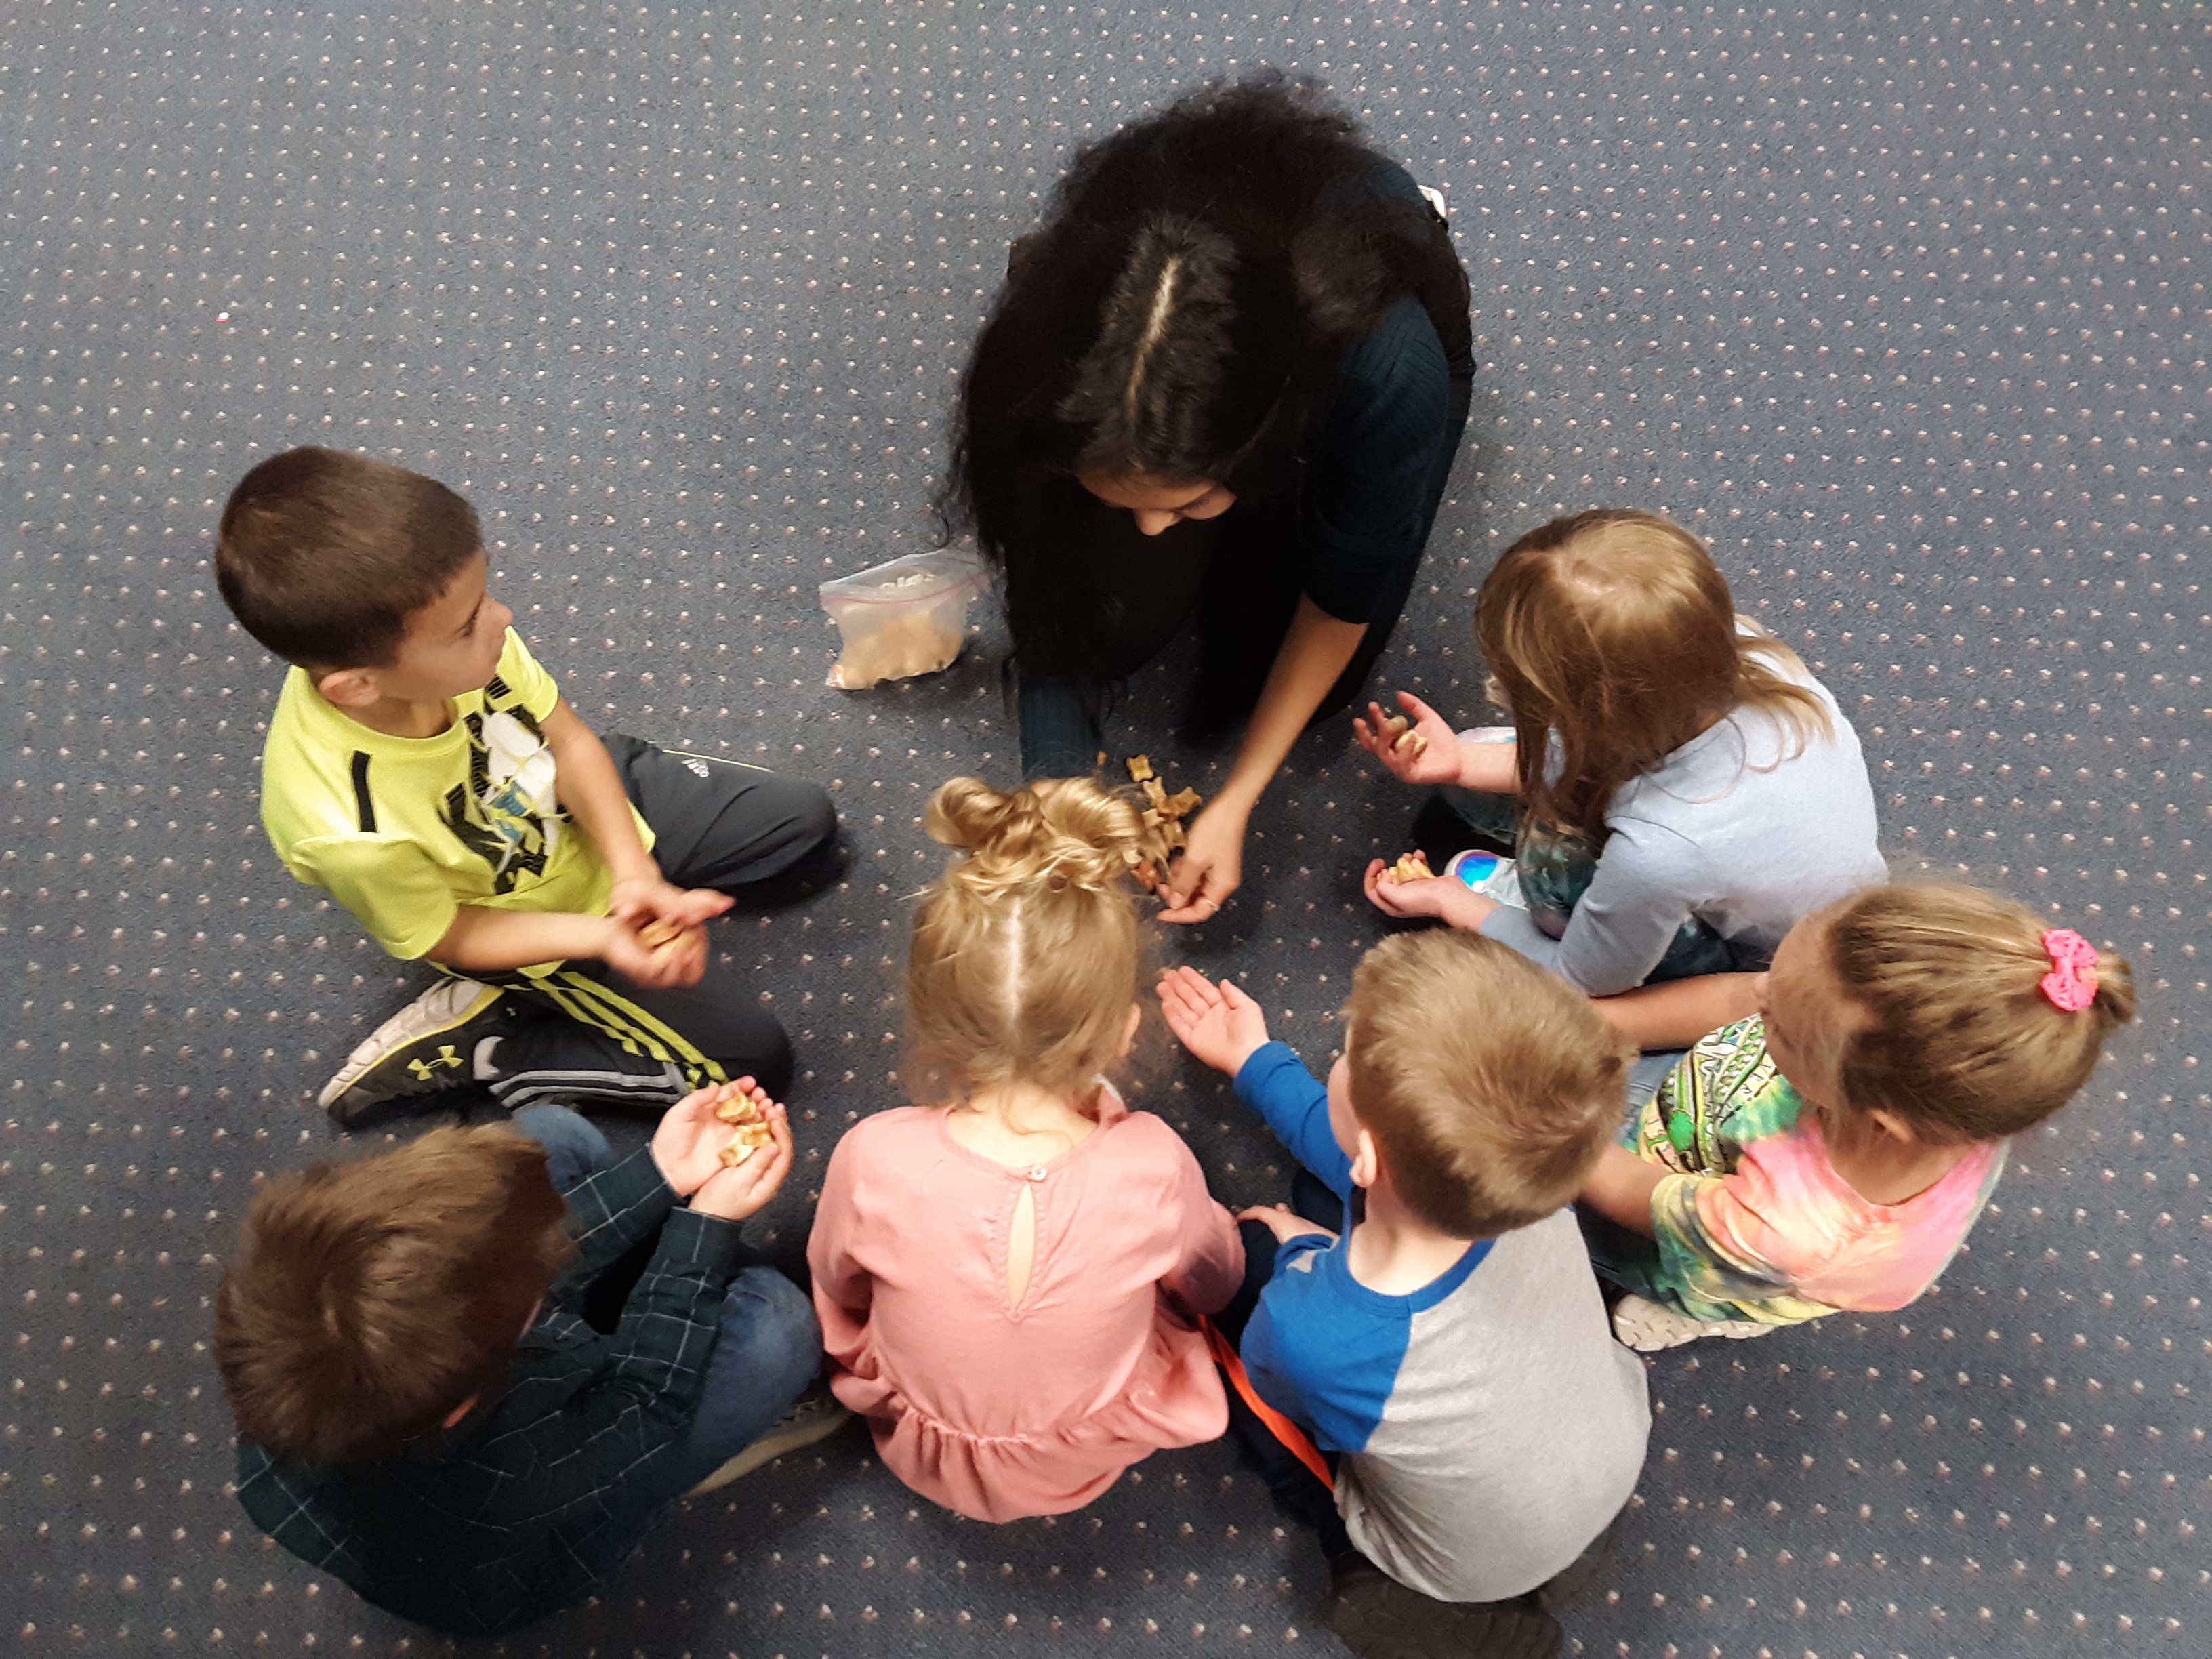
{"x":733,"y":1195}
{"x":688,"y":1142}
{"x":1433,"y":759}
{"x":1217,"y":1023}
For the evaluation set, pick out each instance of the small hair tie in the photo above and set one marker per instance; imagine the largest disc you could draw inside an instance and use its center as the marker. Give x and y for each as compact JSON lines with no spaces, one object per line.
{"x":2071,"y":984}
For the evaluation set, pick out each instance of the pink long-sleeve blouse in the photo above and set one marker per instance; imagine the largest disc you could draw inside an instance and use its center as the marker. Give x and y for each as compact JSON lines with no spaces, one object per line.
{"x":998,"y":1412}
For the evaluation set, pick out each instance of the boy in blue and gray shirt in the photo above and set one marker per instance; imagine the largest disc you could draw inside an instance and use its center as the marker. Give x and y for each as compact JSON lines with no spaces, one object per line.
{"x":1438,"y":1389}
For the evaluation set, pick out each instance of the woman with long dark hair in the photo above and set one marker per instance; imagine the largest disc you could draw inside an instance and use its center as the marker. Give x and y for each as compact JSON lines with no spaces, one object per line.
{"x":1224,"y":384}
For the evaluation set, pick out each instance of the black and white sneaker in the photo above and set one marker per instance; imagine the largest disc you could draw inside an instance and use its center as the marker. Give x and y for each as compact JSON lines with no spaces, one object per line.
{"x":426,"y":1048}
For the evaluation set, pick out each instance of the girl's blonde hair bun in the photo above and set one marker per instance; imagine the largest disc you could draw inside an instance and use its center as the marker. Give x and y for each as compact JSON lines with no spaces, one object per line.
{"x":1027,"y":952}
{"x":1072,"y":830}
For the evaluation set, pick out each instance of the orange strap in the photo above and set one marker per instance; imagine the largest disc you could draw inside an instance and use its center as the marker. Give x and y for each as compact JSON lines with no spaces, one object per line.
{"x":1293,"y":1437}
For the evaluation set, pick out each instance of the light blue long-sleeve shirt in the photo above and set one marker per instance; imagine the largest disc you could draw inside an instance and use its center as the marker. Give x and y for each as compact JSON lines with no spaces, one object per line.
{"x":1739,"y":827}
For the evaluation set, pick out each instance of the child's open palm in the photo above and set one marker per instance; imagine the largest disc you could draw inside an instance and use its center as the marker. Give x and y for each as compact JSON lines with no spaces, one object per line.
{"x":745,"y":1190}
{"x":1217,"y":1023}
{"x":688,"y":1142}
{"x":1427,"y":752}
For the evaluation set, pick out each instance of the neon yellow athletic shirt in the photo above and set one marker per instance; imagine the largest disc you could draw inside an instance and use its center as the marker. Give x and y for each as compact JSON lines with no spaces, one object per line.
{"x":403,"y":831}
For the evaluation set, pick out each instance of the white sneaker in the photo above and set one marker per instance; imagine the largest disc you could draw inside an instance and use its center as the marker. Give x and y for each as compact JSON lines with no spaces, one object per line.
{"x":816,"y":1417}
{"x":1647,"y":1328}
{"x":427,"y":1047}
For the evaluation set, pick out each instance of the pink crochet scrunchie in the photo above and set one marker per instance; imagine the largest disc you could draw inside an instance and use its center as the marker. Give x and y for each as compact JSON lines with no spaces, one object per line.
{"x":2071,"y":984}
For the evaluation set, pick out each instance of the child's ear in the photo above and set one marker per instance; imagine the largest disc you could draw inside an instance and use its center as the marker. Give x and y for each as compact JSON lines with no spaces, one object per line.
{"x":1894,"y":1126}
{"x":1129,"y":1030}
{"x":350,"y":687}
{"x":1366,"y":1161}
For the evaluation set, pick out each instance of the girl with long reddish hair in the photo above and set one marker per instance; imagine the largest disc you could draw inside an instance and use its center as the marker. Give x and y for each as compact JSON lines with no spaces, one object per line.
{"x":1686,"y":790}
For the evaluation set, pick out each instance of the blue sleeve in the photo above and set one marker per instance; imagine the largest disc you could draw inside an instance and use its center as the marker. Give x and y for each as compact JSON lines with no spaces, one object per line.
{"x":1275,"y":1083}
{"x":1325,"y":1359}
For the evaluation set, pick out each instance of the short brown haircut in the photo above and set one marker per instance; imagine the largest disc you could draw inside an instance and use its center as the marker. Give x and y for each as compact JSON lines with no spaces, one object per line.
{"x":322,"y":556}
{"x":1959,"y":1040}
{"x":1490,"y":1086}
{"x":366,"y":1299}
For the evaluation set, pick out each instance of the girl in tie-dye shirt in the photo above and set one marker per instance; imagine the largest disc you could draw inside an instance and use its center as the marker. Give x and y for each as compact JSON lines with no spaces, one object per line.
{"x":1833,"y":1151}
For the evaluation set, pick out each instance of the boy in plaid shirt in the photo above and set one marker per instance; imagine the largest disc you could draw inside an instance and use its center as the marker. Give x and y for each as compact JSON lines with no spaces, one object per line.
{"x":424,"y":1409}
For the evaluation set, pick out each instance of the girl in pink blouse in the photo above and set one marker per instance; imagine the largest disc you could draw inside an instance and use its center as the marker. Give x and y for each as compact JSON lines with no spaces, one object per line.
{"x":1008,"y":1281}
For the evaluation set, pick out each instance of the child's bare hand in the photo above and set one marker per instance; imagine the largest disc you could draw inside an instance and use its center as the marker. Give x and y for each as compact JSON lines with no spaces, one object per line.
{"x":733,"y":1195}
{"x":651,"y":960}
{"x":688,"y":1142}
{"x":641,"y":901}
{"x":1426,"y":752}
{"x":1445,"y":897}
{"x":1217,"y":1023}
{"x":1284,"y":1221}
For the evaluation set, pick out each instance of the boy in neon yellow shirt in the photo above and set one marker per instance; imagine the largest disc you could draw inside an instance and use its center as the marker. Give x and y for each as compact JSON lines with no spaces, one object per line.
{"x":423,"y":770}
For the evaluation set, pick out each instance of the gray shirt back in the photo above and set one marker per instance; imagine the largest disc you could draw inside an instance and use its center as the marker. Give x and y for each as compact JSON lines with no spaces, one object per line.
{"x":1515,"y":1432}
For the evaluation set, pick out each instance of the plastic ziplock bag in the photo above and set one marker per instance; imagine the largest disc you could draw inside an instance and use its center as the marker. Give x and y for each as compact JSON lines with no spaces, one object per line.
{"x":901,"y":619}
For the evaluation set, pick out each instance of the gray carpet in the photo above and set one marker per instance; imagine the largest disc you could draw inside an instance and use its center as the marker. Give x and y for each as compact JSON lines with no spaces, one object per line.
{"x":1905,"y":311}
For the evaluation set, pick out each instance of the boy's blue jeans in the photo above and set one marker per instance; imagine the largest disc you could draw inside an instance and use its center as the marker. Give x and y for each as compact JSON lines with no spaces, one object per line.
{"x":768,"y":1350}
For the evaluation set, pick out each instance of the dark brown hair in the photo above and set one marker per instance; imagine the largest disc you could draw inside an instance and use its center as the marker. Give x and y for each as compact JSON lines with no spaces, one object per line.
{"x":1614,"y":631}
{"x":322,"y":556}
{"x":1959,"y":1041}
{"x":1198,"y":276}
{"x":367,"y":1299}
{"x":1489,"y":1086}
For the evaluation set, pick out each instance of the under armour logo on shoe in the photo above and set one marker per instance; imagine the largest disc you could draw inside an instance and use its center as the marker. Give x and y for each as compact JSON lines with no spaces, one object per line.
{"x":700,"y":767}
{"x":446,"y":1056}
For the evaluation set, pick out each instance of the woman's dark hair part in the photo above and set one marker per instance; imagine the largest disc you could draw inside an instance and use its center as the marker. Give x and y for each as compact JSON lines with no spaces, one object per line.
{"x":1174,"y":318}
{"x":1158,"y":392}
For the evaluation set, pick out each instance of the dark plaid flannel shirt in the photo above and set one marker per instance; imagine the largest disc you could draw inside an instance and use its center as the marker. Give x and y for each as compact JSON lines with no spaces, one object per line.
{"x":504,"y":1518}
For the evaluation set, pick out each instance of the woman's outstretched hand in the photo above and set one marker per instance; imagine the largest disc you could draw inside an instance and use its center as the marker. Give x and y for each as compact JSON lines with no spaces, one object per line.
{"x":1432,"y":758}
{"x":1211,"y":867}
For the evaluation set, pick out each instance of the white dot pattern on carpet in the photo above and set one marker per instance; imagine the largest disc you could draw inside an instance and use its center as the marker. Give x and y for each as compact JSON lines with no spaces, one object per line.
{"x":1904,"y":311}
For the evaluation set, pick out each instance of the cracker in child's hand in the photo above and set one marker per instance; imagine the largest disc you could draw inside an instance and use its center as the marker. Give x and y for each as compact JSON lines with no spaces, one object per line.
{"x":748,"y":1139}
{"x":1412,"y":867}
{"x":1404,"y":740}
{"x":656,"y":934}
{"x":752,"y":1133}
